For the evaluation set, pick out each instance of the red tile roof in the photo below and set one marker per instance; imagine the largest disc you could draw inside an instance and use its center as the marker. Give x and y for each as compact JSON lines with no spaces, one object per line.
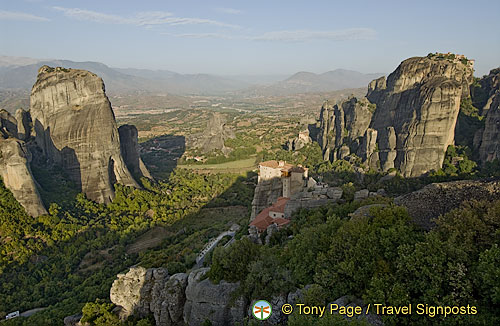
{"x":263,"y":220}
{"x":279,"y":205}
{"x":275,"y":164}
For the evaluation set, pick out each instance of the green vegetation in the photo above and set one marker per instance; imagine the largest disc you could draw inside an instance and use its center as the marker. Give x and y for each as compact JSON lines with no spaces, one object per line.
{"x":67,"y":260}
{"x":468,"y":123}
{"x":245,"y":164}
{"x":479,"y":94}
{"x":309,"y":156}
{"x":383,"y":258}
{"x":72,"y":255}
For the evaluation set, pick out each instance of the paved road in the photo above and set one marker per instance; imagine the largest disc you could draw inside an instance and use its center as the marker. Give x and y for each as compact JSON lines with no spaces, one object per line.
{"x":211,"y":245}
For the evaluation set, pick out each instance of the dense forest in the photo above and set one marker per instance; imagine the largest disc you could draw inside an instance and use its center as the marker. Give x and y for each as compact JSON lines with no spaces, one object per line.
{"x":41,"y":258}
{"x":383,"y":258}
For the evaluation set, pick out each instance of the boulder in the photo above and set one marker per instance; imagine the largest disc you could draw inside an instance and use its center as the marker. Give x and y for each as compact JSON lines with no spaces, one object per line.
{"x":297,"y":296}
{"x":141,"y":292}
{"x":364,"y":211}
{"x":73,"y":320}
{"x":361,"y":194}
{"x":266,"y":193}
{"x":128,"y":292}
{"x":334,"y":193}
{"x":270,"y":230}
{"x":167,"y":302}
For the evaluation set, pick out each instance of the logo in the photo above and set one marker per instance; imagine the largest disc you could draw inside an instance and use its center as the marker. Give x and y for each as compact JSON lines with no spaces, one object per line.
{"x":262,"y":310}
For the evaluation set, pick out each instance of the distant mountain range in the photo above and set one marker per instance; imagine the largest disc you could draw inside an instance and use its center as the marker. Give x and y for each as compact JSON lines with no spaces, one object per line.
{"x":308,"y":82}
{"x":20,"y":73}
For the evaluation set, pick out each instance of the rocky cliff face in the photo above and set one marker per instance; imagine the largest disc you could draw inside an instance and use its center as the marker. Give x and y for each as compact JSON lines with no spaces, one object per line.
{"x":343,"y":125}
{"x":143,"y":291}
{"x":23,"y":119}
{"x":266,"y":193}
{"x":129,"y":145}
{"x":208,"y":301}
{"x":406,"y":121}
{"x":71,"y":124}
{"x":16,"y":174}
{"x":300,"y":141}
{"x":490,"y":141}
{"x":177,"y":299}
{"x":8,"y":124}
{"x":213,"y":137}
{"x":436,"y":199}
{"x":75,"y":127}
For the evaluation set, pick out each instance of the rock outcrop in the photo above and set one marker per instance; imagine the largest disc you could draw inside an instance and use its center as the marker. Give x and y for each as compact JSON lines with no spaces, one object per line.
{"x":8,"y":124}
{"x":300,"y":141}
{"x":141,"y":292}
{"x":439,"y":198}
{"x":212,"y":302}
{"x":16,"y":174}
{"x":130,"y":150}
{"x":343,"y":124}
{"x":214,"y":136}
{"x":407,"y":121}
{"x":23,"y":124}
{"x":75,"y":127}
{"x":318,"y":196}
{"x":71,"y":125}
{"x":489,"y":149}
{"x":178,"y":299}
{"x":489,"y":87}
{"x":266,"y":193}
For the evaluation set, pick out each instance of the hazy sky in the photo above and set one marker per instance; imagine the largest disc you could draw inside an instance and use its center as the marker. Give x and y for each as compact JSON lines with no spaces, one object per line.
{"x":251,"y":36}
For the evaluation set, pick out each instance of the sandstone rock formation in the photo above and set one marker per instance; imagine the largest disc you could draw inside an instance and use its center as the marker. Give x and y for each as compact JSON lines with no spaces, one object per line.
{"x":489,"y":88}
{"x":143,"y":291}
{"x":439,"y":198}
{"x":312,"y":199}
{"x":73,"y":320}
{"x":208,"y":301}
{"x":129,"y":145}
{"x":8,"y":124}
{"x":23,"y":124}
{"x":343,"y":124}
{"x":16,"y":174}
{"x":176,"y":300}
{"x":75,"y":127}
{"x":213,"y":137}
{"x":266,"y":193}
{"x":490,"y":139}
{"x":406,"y":122}
{"x":300,"y":141}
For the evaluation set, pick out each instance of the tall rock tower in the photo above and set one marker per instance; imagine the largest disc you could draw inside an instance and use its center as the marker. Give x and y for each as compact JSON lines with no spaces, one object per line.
{"x":75,"y":128}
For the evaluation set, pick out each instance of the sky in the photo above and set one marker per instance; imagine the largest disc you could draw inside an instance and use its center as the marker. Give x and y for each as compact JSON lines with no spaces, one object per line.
{"x":251,"y":37}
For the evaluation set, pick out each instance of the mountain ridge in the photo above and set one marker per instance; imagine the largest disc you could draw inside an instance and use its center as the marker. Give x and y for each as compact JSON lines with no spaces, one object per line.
{"x":21,"y":72}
